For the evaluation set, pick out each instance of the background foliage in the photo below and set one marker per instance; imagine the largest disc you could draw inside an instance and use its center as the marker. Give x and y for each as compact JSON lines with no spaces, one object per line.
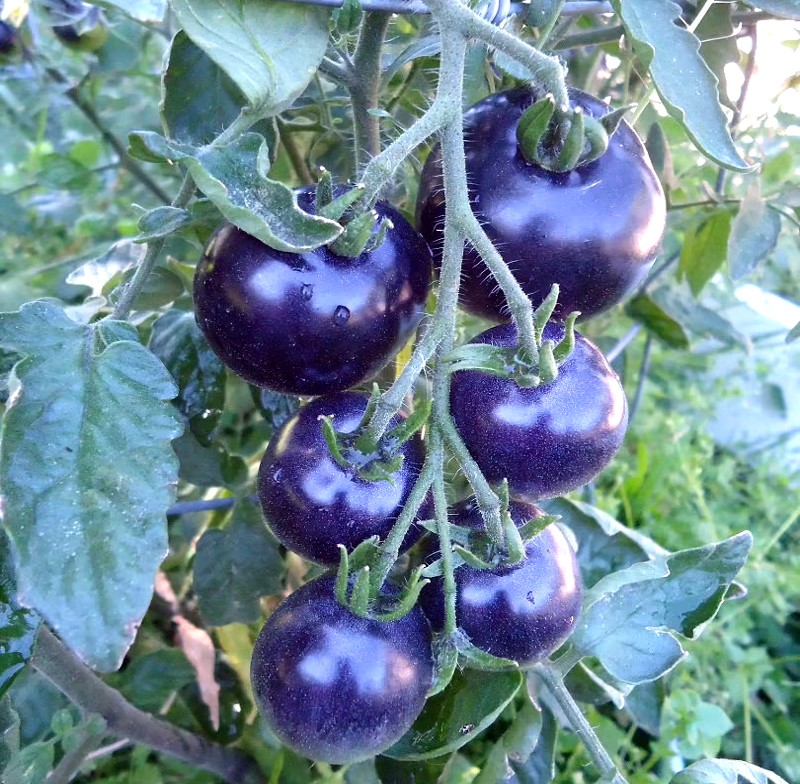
{"x":704,"y":351}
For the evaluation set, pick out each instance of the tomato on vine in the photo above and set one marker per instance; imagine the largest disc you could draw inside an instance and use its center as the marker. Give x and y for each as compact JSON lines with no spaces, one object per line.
{"x":545,"y":440}
{"x":521,"y":612}
{"x":337,"y":687}
{"x":594,"y":230}
{"x":316,"y":322}
{"x":312,"y":503}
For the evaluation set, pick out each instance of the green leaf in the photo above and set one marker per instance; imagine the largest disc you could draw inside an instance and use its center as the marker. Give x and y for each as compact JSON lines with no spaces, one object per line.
{"x":208,"y":466}
{"x":754,"y":234}
{"x":151,"y":680}
{"x":788,"y":9}
{"x":177,"y":341}
{"x":646,"y":311}
{"x":18,"y":626}
{"x":270,"y":50}
{"x":234,"y":177}
{"x":685,"y":83}
{"x":148,"y":11}
{"x":699,"y":319}
{"x":471,"y":702}
{"x":517,"y":744}
{"x":725,"y":771}
{"x":31,"y":764}
{"x":539,"y":768}
{"x":161,"y":222}
{"x":87,"y":474}
{"x":236,"y":566}
{"x":198,"y":99}
{"x":9,"y":732}
{"x":629,"y":616}
{"x":718,"y":47}
{"x":162,"y":287}
{"x":705,"y":248}
{"x":606,"y":545}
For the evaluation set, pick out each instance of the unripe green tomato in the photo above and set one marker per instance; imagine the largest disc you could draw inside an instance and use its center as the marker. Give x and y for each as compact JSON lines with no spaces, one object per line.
{"x":87,"y":36}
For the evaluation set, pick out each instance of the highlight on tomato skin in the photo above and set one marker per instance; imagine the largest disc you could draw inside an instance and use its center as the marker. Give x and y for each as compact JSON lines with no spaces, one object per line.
{"x":335,"y":687}
{"x":595,"y":231}
{"x":545,"y":440}
{"x":522,"y":612}
{"x":312,"y":504}
{"x":316,"y":322}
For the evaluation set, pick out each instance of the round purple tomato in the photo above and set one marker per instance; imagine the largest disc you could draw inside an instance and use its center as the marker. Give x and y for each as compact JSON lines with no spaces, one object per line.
{"x":316,"y":322}
{"x":522,"y":612}
{"x":595,"y":230}
{"x":545,"y":440}
{"x":313,"y":504}
{"x":336,"y":687}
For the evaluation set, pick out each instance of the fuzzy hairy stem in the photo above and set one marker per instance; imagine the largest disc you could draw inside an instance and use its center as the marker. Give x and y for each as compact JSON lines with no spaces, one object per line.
{"x":365,"y":87}
{"x":600,"y":757}
{"x":76,"y":681}
{"x":129,"y":294}
{"x":443,"y":532}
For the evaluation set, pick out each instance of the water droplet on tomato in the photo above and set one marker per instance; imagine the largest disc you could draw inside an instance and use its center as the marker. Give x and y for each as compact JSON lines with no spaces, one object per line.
{"x":341,"y":315}
{"x":306,"y":291}
{"x":277,"y":475}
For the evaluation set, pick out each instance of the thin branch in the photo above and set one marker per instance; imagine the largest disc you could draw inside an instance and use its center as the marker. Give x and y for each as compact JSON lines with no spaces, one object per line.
{"x":71,"y":763}
{"x":74,"y":95}
{"x":578,"y":8}
{"x":129,"y":294}
{"x":644,"y":370}
{"x":75,"y":680}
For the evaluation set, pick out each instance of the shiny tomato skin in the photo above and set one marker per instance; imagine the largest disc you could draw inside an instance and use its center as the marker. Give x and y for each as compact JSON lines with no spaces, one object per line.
{"x":311,"y":503}
{"x":595,"y":231}
{"x":335,"y":687}
{"x":316,"y":322}
{"x":545,"y":440}
{"x":522,"y":612}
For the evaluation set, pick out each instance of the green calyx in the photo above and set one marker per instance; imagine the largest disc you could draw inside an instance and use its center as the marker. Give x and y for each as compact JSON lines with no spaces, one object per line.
{"x":360,"y":234}
{"x":559,"y":139}
{"x":373,"y":460}
{"x":527,"y":371}
{"x":355,"y":591}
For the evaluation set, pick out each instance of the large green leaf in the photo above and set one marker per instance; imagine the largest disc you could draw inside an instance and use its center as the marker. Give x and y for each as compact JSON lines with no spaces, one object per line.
{"x":18,"y":626}
{"x":685,"y":83}
{"x":269,"y":49}
{"x":234,"y":177}
{"x":472,"y":701}
{"x":788,"y":9}
{"x":235,"y":567}
{"x":725,"y":771}
{"x":517,"y":745}
{"x":87,"y":473}
{"x":630,"y":616}
{"x":198,"y":99}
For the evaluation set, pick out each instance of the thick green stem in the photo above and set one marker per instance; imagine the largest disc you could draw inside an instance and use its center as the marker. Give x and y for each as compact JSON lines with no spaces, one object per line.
{"x":394,"y":541}
{"x":75,"y":680}
{"x":129,"y":294}
{"x":600,"y":757}
{"x":443,"y":531}
{"x":365,"y":86}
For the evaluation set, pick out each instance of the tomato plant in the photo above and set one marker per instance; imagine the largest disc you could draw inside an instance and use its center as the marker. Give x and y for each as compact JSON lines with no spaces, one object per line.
{"x":239,"y":412}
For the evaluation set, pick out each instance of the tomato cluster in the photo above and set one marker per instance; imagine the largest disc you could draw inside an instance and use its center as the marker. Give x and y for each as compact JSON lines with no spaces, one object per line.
{"x":339,"y":682}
